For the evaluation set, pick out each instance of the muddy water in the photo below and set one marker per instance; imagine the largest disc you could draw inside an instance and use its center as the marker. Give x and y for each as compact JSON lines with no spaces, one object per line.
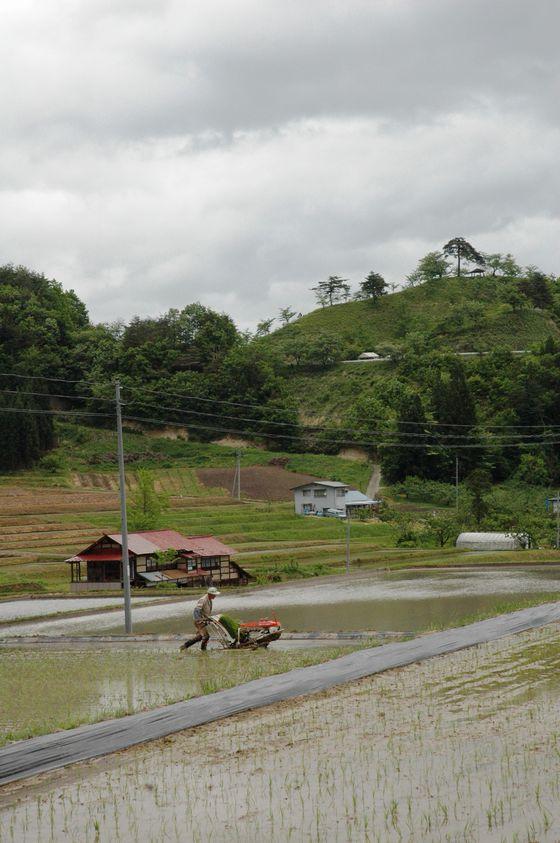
{"x":13,"y":609}
{"x":400,"y":601}
{"x":390,"y":601}
{"x":460,"y":748}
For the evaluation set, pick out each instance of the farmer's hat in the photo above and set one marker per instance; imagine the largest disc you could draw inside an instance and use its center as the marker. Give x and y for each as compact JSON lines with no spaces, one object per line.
{"x":213,"y":590}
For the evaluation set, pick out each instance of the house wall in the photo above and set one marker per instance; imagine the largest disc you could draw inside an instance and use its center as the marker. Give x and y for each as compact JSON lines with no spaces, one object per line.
{"x":315,"y":498}
{"x":93,"y":586}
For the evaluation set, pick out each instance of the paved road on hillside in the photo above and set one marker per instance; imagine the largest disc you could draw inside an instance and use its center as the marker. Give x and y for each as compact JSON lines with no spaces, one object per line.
{"x":38,"y":755}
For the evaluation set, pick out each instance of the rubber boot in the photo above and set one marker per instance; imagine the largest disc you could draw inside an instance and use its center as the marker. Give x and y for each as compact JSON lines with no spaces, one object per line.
{"x":204,"y":644}
{"x":190,"y":642}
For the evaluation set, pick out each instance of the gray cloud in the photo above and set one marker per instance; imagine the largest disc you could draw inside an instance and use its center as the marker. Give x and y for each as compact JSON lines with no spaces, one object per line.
{"x":158,"y":153}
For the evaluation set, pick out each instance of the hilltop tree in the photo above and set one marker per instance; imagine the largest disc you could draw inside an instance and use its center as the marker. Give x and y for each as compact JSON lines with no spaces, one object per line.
{"x":502,"y":265}
{"x":287,"y":314}
{"x":264,"y":326}
{"x":537,"y":287}
{"x":461,"y":249}
{"x":331,"y":291}
{"x":372,"y":287}
{"x":432,"y":266}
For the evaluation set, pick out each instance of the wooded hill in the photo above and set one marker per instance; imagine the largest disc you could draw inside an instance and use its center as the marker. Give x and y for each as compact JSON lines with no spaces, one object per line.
{"x":193,"y":368}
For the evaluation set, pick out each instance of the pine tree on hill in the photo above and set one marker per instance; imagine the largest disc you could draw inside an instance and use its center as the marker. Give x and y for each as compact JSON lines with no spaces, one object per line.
{"x":331,"y":291}
{"x":461,"y":249}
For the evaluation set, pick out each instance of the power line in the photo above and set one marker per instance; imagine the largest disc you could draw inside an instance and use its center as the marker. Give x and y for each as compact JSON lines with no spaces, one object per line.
{"x":373,"y":433}
{"x":57,"y":395}
{"x":36,"y":411}
{"x":46,"y":378}
{"x":435,"y":438}
{"x":427,"y":423}
{"x":267,"y":435}
{"x":336,"y":441}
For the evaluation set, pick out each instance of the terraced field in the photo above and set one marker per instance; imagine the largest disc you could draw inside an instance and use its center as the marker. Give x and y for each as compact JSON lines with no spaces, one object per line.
{"x":39,"y":528}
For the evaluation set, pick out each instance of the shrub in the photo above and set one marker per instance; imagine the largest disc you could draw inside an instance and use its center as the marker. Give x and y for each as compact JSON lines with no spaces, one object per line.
{"x":432,"y":491}
{"x":53,"y":463}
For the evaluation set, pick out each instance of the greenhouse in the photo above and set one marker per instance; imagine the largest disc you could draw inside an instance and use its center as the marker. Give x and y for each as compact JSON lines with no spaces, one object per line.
{"x":493,"y":541}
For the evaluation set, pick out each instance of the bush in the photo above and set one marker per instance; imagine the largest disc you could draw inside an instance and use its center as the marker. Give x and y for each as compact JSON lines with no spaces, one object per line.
{"x":53,"y":463}
{"x":432,"y":491}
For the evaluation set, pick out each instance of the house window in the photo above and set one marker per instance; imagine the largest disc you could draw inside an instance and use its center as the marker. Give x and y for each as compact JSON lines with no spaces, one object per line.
{"x":340,"y":493}
{"x":306,"y":493}
{"x":210,"y":563}
{"x":320,"y":493}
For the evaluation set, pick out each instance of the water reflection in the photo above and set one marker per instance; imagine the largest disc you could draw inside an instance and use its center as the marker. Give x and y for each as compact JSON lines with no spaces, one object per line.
{"x":390,"y":601}
{"x":400,"y":601}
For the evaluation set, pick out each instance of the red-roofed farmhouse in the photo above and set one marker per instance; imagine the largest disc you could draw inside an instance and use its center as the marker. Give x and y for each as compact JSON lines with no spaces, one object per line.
{"x":198,"y":560}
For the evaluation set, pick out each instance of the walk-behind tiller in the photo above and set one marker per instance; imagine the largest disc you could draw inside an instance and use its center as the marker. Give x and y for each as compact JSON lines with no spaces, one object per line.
{"x":238,"y":636}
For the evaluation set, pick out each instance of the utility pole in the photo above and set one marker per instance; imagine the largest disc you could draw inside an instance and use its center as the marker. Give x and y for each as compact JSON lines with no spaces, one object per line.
{"x":347,"y":541}
{"x":236,"y":491}
{"x":124,"y":526}
{"x":457,"y":483}
{"x":557,"y":520}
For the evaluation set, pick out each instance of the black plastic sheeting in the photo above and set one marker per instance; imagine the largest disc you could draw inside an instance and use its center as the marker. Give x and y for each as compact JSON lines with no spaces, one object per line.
{"x":38,"y":755}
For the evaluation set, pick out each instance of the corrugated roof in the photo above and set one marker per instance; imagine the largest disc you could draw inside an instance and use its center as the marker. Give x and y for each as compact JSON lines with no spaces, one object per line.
{"x":152,"y":541}
{"x":354,"y":497}
{"x":333,"y":483}
{"x":97,"y":556}
{"x":207,"y":546}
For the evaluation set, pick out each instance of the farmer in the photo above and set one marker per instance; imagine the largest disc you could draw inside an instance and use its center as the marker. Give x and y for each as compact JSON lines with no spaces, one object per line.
{"x":201,"y":613}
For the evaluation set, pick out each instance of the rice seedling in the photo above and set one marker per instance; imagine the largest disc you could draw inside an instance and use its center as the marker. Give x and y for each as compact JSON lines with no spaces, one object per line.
{"x":440,"y":764}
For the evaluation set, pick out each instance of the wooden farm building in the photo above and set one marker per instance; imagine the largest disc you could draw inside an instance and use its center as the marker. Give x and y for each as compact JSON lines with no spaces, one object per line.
{"x":197,"y":560}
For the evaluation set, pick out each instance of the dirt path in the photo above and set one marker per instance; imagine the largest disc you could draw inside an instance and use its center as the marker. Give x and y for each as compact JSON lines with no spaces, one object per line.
{"x":29,"y":758}
{"x":374,"y":482}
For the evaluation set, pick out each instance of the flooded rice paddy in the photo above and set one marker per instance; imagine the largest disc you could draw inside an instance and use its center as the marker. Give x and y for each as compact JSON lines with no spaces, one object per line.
{"x":399,"y":601}
{"x":464,"y":747}
{"x":44,"y":689}
{"x":11,"y":610}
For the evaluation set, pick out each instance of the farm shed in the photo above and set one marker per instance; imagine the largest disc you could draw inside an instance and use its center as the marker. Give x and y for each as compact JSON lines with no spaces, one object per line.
{"x":492,"y":541}
{"x":355,"y":502}
{"x":199,"y":560}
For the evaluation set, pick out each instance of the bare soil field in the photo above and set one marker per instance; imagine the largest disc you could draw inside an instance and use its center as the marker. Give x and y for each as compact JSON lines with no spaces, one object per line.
{"x":463,"y":747}
{"x":20,"y":501}
{"x":261,"y":482}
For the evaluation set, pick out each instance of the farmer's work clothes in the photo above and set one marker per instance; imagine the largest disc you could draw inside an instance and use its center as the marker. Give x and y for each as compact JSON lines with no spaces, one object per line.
{"x":202,"y":630}
{"x":203,"y":609}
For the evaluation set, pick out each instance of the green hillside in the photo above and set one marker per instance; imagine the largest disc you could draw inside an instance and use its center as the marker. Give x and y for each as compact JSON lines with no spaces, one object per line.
{"x":460,"y":314}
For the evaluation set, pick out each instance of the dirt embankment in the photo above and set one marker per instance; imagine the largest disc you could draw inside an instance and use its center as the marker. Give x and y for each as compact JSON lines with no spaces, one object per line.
{"x":259,"y":482}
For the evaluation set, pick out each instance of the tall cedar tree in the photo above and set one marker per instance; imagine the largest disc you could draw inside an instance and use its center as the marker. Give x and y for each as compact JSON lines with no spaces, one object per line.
{"x":455,"y":412}
{"x":412,"y":456}
{"x":461,"y":249}
{"x":24,"y":436}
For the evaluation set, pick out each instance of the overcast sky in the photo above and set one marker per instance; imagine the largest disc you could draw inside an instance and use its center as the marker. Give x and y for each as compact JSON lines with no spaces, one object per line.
{"x":236,"y":152}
